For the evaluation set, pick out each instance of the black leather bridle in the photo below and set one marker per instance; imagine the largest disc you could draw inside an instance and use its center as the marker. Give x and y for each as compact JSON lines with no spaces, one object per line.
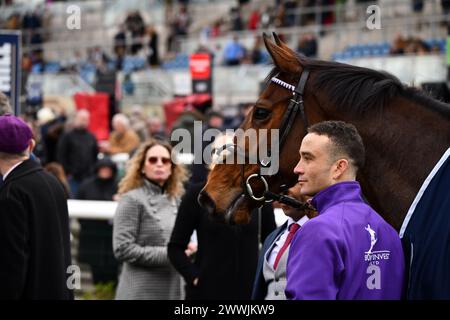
{"x":296,"y":106}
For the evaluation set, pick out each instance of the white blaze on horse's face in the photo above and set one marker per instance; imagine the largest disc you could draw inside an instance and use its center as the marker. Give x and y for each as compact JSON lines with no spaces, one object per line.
{"x":219,"y":153}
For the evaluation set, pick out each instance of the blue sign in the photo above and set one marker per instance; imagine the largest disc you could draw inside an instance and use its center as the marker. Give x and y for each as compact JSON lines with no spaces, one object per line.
{"x":10,"y":67}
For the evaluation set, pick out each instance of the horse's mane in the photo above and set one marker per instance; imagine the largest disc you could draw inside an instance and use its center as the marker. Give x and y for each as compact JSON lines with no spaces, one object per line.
{"x":358,"y":90}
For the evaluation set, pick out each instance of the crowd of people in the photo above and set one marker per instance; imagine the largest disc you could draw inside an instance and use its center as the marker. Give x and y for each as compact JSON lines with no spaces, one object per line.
{"x":411,"y":45}
{"x":160,"y":233}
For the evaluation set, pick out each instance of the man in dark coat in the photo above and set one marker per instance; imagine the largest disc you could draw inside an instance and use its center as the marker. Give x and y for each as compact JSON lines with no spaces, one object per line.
{"x":77,"y":151}
{"x":34,"y":222}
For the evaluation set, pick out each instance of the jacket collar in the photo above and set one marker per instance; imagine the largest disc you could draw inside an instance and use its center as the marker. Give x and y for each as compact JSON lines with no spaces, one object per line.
{"x":153,"y":186}
{"x":337,"y":193}
{"x":26,"y":167}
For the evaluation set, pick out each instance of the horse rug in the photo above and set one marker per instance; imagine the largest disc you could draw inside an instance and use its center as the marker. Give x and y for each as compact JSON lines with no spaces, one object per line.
{"x":425,"y":236}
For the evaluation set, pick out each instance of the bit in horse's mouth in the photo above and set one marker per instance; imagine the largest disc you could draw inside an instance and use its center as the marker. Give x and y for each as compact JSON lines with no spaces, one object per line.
{"x":233,"y":206}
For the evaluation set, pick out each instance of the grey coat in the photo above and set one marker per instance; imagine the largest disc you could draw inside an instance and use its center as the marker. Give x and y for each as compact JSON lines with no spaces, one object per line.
{"x":142,"y":226}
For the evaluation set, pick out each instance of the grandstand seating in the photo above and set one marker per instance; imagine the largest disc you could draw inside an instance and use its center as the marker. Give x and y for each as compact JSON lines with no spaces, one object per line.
{"x":379,"y":49}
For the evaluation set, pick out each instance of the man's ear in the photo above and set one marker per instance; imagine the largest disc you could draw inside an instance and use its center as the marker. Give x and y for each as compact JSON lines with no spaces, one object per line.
{"x":342,"y":168}
{"x":32,"y":145}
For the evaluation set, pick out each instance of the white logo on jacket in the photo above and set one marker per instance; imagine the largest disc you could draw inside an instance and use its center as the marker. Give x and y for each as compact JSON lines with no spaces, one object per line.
{"x":374,"y":258}
{"x":373,"y":238}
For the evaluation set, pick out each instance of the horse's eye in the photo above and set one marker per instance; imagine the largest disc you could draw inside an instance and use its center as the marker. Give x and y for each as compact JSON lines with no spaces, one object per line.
{"x":261,"y":113}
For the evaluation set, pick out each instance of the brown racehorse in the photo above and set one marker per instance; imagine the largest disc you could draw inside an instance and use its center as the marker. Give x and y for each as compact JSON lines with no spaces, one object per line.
{"x":405,"y":133}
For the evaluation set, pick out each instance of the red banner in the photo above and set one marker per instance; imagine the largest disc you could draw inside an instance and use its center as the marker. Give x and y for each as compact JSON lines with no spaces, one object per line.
{"x":98,"y":106}
{"x":200,"y":66}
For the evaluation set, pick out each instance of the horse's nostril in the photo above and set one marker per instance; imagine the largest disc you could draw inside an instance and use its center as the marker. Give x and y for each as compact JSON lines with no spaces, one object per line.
{"x":206,"y":202}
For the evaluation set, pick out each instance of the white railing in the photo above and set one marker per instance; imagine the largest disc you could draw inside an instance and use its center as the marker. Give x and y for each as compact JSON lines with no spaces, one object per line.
{"x":105,"y":210}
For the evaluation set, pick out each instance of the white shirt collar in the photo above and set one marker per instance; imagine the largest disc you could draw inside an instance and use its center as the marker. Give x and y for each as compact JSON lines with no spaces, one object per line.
{"x":299,"y":222}
{"x":11,"y":169}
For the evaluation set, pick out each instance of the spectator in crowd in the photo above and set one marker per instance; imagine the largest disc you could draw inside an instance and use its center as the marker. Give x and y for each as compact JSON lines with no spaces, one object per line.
{"x":51,"y":130}
{"x":135,"y":25}
{"x":399,"y":45}
{"x":120,"y":46}
{"x":290,"y":7}
{"x":34,"y":222}
{"x":214,"y":120}
{"x":411,"y":45}
{"x":95,"y":246}
{"x":182,"y":21}
{"x":153,"y":51}
{"x":77,"y":151}
{"x":123,"y":139}
{"x":417,"y":6}
{"x":36,"y":42}
{"x":5,"y":108}
{"x":307,"y":45}
{"x":236,"y":19}
{"x":253,"y":20}
{"x":270,"y":280}
{"x":138,"y":122}
{"x":58,"y":171}
{"x":234,"y":52}
{"x":257,"y":53}
{"x":266,"y":17}
{"x":279,"y":14}
{"x":333,"y":256}
{"x":149,"y":198}
{"x":416,"y":46}
{"x":97,"y":57}
{"x":445,"y":4}
{"x":224,"y":265}
{"x":155,"y":128}
{"x":216,"y":28}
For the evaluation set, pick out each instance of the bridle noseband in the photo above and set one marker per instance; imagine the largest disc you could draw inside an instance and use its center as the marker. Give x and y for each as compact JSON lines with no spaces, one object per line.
{"x":296,"y":105}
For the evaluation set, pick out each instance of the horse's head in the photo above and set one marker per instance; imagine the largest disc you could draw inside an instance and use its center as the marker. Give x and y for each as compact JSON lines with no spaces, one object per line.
{"x":276,"y":123}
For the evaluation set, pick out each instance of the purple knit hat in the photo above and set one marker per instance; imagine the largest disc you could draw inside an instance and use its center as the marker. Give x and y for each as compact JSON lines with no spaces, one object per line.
{"x":15,"y":134}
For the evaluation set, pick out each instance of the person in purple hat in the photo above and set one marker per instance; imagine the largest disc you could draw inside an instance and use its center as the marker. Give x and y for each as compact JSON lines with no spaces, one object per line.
{"x":34,"y":223}
{"x":5,"y":108}
{"x":348,"y":251}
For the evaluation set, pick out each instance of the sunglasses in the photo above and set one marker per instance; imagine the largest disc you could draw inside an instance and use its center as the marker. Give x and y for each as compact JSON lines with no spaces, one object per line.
{"x":154,"y":160}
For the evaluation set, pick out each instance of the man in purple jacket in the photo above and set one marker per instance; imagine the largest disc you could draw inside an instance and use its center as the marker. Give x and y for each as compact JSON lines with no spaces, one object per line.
{"x":348,"y":251}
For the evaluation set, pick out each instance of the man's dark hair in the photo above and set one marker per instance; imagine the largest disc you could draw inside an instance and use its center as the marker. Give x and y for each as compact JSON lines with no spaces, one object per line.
{"x":345,"y":139}
{"x":212,"y":113}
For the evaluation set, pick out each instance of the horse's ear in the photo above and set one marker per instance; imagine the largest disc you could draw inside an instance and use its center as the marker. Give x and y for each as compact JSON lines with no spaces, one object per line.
{"x":283,"y":57}
{"x":279,"y":42}
{"x":277,"y":39}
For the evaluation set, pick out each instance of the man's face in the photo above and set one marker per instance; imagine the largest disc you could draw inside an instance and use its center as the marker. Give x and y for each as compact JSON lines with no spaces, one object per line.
{"x":82,"y":119}
{"x":216,"y":122}
{"x":315,"y":168}
{"x":105,"y":173}
{"x":119,"y":126}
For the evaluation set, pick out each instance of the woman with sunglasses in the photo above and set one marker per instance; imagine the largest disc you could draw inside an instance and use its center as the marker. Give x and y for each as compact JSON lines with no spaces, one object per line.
{"x":149,"y":198}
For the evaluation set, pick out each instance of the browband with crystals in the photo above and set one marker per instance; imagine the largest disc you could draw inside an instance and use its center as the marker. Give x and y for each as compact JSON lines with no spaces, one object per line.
{"x":283,"y":84}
